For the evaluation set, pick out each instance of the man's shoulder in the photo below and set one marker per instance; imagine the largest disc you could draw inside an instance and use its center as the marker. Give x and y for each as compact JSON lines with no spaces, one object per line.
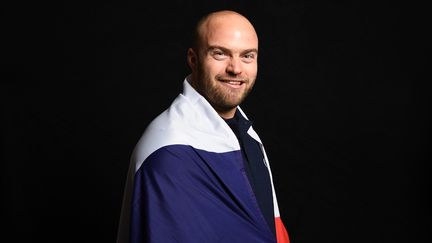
{"x":166,"y":129}
{"x":186,"y":122}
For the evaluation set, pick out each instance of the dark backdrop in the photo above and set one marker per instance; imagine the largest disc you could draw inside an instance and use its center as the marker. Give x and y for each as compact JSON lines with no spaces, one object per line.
{"x":339,"y":103}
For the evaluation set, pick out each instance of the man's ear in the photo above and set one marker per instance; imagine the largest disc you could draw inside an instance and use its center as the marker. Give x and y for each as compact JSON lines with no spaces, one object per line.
{"x":192,"y":59}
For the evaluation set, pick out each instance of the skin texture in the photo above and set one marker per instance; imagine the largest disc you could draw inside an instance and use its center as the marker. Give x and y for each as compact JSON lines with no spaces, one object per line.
{"x":224,"y":60}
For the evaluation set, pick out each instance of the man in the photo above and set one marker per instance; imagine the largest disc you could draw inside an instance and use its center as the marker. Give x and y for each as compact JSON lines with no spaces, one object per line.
{"x":199,"y":173}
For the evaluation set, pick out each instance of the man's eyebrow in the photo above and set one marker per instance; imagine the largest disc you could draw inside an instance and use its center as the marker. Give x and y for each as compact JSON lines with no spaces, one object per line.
{"x":211,"y":48}
{"x":226,"y":50}
{"x":249,"y":51}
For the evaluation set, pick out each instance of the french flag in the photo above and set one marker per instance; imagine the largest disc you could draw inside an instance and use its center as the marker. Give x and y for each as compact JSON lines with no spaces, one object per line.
{"x":187,"y":183}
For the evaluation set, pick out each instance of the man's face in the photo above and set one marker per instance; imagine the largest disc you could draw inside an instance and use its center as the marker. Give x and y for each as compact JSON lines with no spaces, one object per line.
{"x":226,"y":65}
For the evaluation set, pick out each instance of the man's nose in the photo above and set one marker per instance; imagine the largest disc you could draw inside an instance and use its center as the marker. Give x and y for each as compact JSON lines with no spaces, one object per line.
{"x":234,"y":66}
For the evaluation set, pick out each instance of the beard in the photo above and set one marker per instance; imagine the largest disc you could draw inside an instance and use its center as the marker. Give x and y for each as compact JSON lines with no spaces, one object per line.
{"x":221,"y":97}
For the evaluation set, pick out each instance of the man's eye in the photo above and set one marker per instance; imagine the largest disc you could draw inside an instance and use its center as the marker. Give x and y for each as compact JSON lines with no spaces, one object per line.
{"x":218,"y":55}
{"x":249,"y":56}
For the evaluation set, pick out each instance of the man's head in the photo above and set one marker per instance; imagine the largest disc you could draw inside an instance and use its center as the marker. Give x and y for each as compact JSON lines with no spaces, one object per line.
{"x":223,"y":60}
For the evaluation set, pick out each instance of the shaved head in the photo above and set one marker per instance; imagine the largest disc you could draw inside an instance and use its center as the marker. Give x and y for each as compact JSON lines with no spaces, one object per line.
{"x":209,"y":20}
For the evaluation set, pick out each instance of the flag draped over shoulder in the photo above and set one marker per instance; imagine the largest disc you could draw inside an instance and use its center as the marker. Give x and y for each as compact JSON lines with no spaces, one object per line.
{"x":187,"y":182}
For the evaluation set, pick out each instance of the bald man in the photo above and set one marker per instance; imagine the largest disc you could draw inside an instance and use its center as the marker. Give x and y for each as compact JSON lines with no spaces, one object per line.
{"x":200,"y":173}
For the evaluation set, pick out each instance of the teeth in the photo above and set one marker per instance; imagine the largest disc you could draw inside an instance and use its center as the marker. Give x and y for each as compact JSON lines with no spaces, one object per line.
{"x":234,"y":82}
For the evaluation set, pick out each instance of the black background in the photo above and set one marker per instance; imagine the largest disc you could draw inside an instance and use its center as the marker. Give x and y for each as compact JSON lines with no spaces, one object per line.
{"x":339,"y":102}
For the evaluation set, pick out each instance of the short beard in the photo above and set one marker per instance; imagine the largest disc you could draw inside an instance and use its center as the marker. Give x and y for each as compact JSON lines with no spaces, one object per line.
{"x":221,"y":101}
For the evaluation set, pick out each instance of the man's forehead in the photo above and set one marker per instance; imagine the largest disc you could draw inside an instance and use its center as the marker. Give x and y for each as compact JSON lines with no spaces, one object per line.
{"x":231,"y":36}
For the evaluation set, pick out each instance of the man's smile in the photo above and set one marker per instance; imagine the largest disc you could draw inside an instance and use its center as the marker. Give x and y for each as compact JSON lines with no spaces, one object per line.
{"x":234,"y":83}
